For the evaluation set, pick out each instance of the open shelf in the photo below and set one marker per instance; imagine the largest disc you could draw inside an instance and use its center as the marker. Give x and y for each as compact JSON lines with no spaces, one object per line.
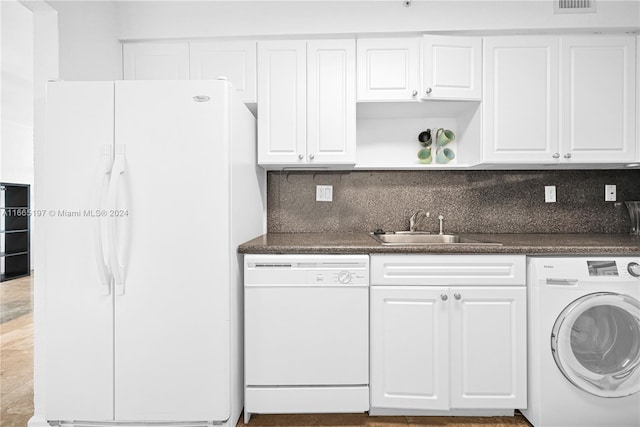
{"x":15,"y":256}
{"x":387,"y":133}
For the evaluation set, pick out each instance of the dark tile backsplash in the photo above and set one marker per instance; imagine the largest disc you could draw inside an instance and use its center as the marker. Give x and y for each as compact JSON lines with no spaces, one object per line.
{"x":471,"y":201}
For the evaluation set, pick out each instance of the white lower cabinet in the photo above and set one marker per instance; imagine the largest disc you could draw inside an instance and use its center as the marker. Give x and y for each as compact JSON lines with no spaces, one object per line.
{"x":448,"y":332}
{"x":488,"y":345}
{"x":409,"y":348}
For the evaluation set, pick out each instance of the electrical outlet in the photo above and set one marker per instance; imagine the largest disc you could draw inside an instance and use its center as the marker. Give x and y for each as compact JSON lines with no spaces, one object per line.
{"x":324,"y":193}
{"x":550,"y":193}
{"x":609,"y":193}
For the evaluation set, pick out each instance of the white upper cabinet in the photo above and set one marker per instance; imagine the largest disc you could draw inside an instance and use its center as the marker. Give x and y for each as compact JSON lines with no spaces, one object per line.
{"x":235,"y":60}
{"x":598,"y":106}
{"x":282,"y":102}
{"x":637,"y":97}
{"x":331,"y":101}
{"x":389,"y":69}
{"x":520,"y":99}
{"x":306,"y":103}
{"x":564,"y":100}
{"x":452,"y":67}
{"x":155,"y":61}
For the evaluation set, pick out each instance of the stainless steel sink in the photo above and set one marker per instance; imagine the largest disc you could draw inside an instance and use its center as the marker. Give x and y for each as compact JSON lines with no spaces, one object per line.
{"x":421,"y":238}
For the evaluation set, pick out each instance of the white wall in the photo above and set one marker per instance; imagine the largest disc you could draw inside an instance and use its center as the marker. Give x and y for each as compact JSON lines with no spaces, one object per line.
{"x":88,"y":40}
{"x":45,"y":37}
{"x":190,"y":19}
{"x":16,"y":134}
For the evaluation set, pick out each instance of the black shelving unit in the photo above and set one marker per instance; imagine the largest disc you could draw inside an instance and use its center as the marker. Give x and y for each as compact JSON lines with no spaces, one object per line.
{"x":15,"y":233}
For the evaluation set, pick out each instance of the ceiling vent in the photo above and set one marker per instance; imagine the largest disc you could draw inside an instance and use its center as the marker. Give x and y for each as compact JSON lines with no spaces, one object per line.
{"x":574,"y":6}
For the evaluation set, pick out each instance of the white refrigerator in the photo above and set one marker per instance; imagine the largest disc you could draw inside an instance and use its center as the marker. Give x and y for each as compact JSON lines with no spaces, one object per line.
{"x":147,"y":188}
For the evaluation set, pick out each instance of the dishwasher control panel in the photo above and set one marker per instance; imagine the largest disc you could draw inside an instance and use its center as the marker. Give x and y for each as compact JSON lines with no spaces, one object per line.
{"x":306,"y":270}
{"x":342,"y":277}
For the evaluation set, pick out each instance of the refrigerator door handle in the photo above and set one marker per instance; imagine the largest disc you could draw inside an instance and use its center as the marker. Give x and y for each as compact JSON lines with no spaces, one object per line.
{"x":99,"y":228}
{"x":114,"y":260}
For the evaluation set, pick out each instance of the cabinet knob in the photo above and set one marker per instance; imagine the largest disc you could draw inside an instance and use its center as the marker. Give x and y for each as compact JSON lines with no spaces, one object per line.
{"x":556,"y":155}
{"x":414,"y":93}
{"x":444,"y":297}
{"x":300,"y":156}
{"x":311,"y":156}
{"x":567,"y":156}
{"x":457,"y":296}
{"x":429,"y":90}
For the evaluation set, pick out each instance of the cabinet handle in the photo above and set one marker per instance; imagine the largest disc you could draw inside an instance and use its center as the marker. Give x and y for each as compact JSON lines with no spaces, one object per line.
{"x":429,"y":90}
{"x":444,"y":297}
{"x":414,"y":93}
{"x":556,"y":155}
{"x":457,"y":296}
{"x":567,"y":156}
{"x":311,"y":156}
{"x":300,"y":156}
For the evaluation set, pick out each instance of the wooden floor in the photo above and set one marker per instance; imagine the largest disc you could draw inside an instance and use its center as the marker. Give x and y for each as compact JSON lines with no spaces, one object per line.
{"x":16,"y":379}
{"x":352,"y":420}
{"x":16,"y":352}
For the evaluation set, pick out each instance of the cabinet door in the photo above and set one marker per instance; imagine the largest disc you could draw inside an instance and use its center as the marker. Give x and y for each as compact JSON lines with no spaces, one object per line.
{"x":388,"y":69}
{"x":452,"y":67}
{"x":598,"y":98}
{"x":235,"y":60}
{"x":520,"y":99}
{"x":282,"y":86}
{"x":156,"y":61}
{"x":488,"y":347}
{"x":409,"y":347}
{"x":331,"y":101}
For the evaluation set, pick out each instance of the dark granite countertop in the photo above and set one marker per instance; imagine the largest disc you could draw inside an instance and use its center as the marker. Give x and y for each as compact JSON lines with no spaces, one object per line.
{"x":363,"y":243}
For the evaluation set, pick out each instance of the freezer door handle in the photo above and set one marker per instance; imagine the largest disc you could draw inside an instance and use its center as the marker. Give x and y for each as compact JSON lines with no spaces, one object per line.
{"x":99,"y":226}
{"x":114,"y":260}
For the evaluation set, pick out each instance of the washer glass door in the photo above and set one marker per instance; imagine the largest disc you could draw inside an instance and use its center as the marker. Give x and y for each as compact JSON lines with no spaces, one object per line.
{"x":596,"y":344}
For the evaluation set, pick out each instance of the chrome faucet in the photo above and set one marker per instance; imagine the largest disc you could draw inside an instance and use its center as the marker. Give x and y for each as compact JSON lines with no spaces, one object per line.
{"x":415,"y":218}
{"x":440,"y":218}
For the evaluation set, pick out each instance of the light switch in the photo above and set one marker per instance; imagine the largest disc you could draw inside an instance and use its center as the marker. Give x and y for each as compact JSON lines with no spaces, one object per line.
{"x":324,"y":193}
{"x":550,"y":193}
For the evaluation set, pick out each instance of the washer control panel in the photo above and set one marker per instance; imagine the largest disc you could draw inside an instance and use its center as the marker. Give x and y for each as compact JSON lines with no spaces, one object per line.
{"x":557,"y":270}
{"x":634,"y":269}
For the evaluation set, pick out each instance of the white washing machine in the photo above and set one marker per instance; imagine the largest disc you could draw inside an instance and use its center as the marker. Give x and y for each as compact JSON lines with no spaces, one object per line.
{"x":584,"y":341}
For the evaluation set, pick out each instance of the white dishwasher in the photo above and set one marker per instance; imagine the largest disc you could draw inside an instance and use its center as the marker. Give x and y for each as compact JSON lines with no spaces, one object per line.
{"x":306,"y":333}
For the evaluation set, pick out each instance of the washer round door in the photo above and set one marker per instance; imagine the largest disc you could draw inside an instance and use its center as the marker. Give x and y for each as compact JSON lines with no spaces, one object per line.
{"x":596,"y":344}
